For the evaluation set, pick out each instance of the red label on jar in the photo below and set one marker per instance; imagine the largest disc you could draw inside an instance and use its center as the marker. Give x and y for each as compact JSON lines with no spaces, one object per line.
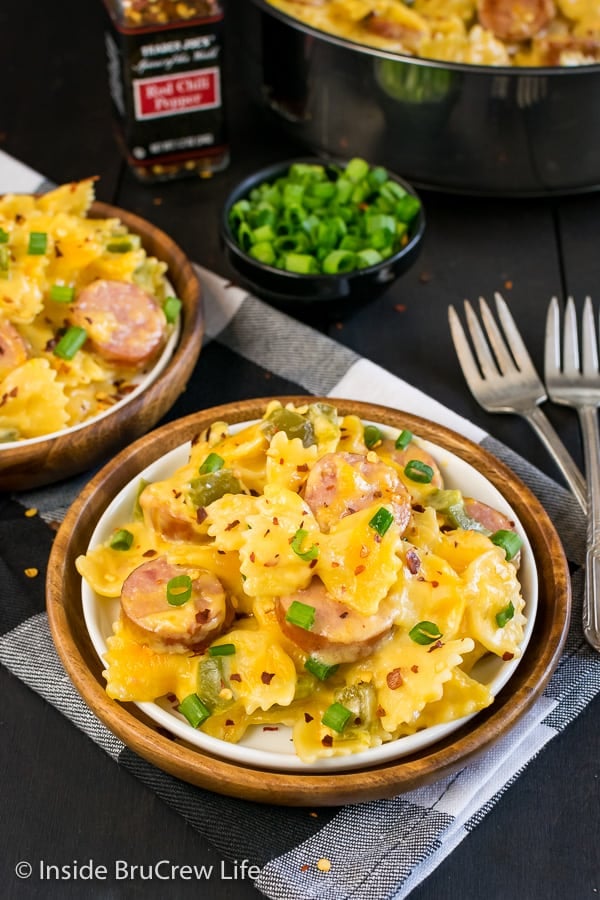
{"x":171,"y":95}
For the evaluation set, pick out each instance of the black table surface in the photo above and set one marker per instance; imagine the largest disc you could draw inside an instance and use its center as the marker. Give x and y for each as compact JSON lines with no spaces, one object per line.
{"x":63,"y":799}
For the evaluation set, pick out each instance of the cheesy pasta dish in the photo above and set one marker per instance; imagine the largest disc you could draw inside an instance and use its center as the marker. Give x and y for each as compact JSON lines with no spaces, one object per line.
{"x":311,"y":571}
{"x":84,"y":312}
{"x":476,"y":32}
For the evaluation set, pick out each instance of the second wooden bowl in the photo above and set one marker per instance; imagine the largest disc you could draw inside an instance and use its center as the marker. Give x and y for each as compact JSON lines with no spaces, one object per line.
{"x":25,"y":465}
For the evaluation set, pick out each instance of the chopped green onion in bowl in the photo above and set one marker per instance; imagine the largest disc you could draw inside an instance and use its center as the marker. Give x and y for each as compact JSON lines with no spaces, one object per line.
{"x":324,"y":218}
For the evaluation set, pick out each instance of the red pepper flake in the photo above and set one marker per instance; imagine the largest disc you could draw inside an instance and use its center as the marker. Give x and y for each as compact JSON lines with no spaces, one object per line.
{"x":229,"y":722}
{"x":508,"y":285}
{"x":302,"y":468}
{"x":267,"y":677}
{"x":400,"y":307}
{"x":149,"y":553}
{"x":335,"y":565}
{"x":344,"y":614}
{"x":308,"y":718}
{"x":235,"y":677}
{"x":418,"y":508}
{"x":201,"y":515}
{"x":281,"y":461}
{"x":506,"y":656}
{"x":394,"y":679}
{"x":172,"y":698}
{"x":305,"y":867}
{"x":327,"y":741}
{"x":380,"y":712}
{"x":425,"y":277}
{"x":435,"y":646}
{"x":202,"y":616}
{"x":232,"y":525}
{"x":435,"y":584}
{"x":413,"y":561}
{"x":252,"y":556}
{"x":176,"y":494}
{"x":270,"y":728}
{"x":313,"y":563}
{"x":359,"y":570}
{"x":275,"y":520}
{"x":414,"y":669}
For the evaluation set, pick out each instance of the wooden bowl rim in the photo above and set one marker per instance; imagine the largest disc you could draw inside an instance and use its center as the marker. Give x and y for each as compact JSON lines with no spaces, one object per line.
{"x":159,"y":395}
{"x":292,"y":788}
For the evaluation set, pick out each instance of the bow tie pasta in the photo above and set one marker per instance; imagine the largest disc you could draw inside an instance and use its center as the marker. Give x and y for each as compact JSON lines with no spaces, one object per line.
{"x":307,"y":570}
{"x":84,"y":312}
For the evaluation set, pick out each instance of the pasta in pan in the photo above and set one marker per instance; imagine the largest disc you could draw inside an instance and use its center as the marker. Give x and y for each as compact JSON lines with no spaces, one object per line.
{"x":84,"y":312}
{"x":476,"y":32}
{"x":311,"y":571}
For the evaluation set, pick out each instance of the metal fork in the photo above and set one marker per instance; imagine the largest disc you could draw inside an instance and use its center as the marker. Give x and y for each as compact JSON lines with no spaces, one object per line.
{"x":506,"y":380}
{"x":579,"y":386}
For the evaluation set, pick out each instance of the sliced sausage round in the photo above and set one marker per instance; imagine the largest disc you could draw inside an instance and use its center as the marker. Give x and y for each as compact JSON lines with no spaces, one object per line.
{"x":515,"y":20}
{"x":189,"y":626}
{"x":490,"y":518}
{"x":13,"y":348}
{"x":342,"y":483}
{"x":339,"y":634}
{"x":123,"y":322}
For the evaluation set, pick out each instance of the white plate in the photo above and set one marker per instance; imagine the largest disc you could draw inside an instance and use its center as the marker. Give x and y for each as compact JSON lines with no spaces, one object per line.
{"x":274,"y":749}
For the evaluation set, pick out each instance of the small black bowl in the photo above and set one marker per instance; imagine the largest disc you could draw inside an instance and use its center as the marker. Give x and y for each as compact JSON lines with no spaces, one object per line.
{"x":319,"y":297}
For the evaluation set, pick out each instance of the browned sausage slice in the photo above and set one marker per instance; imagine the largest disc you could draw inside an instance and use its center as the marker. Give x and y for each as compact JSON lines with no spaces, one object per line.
{"x":515,"y":20}
{"x":13,"y":348}
{"x":339,"y":634}
{"x":190,"y":626}
{"x":490,"y":518}
{"x":342,"y":483}
{"x":124,"y":323}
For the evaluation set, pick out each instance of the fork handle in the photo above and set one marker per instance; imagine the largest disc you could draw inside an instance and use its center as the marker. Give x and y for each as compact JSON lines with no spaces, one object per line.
{"x":588,"y":417}
{"x":559,"y":453}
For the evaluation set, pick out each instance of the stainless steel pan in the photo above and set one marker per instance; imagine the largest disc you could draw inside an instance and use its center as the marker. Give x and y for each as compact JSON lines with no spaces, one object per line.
{"x":444,"y":126}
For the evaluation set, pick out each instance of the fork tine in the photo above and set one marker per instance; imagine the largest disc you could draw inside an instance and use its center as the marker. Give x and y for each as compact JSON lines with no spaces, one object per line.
{"x":487,"y":362}
{"x":515,"y":341}
{"x":463,"y":351}
{"x":552,"y":340}
{"x":570,"y":363}
{"x":505,"y":361}
{"x":589,"y":348}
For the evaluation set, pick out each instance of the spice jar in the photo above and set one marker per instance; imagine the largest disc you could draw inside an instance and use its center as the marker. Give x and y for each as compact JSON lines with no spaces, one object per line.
{"x":165,"y":64}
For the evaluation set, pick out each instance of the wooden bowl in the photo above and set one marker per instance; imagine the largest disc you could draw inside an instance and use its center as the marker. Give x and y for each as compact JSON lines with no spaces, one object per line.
{"x":296,"y":788}
{"x":31,"y":464}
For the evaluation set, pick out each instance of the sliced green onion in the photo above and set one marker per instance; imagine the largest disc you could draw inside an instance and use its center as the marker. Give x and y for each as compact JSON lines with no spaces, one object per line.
{"x":339,"y":261}
{"x":425,"y":633}
{"x":179,"y":590}
{"x":212,"y":463}
{"x":263,"y":252}
{"x":171,"y":309}
{"x":505,"y":615}
{"x":336,"y":717}
{"x":357,"y":169}
{"x":381,"y":521}
{"x":418,"y":471}
{"x":510,"y":542}
{"x":301,"y":614}
{"x":372,"y":436}
{"x":72,"y":340}
{"x":194,"y":710}
{"x":403,"y":439}
{"x":4,"y":259}
{"x":38,"y":242}
{"x":301,"y":263}
{"x":121,"y":540}
{"x":221,"y":650}
{"x":3,"y":236}
{"x":124,"y":244}
{"x":62,"y":293}
{"x":321,"y":670}
{"x":296,"y":545}
{"x":368,"y":257}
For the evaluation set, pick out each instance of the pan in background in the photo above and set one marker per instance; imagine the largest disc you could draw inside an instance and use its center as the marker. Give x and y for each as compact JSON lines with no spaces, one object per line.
{"x":443,"y":126}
